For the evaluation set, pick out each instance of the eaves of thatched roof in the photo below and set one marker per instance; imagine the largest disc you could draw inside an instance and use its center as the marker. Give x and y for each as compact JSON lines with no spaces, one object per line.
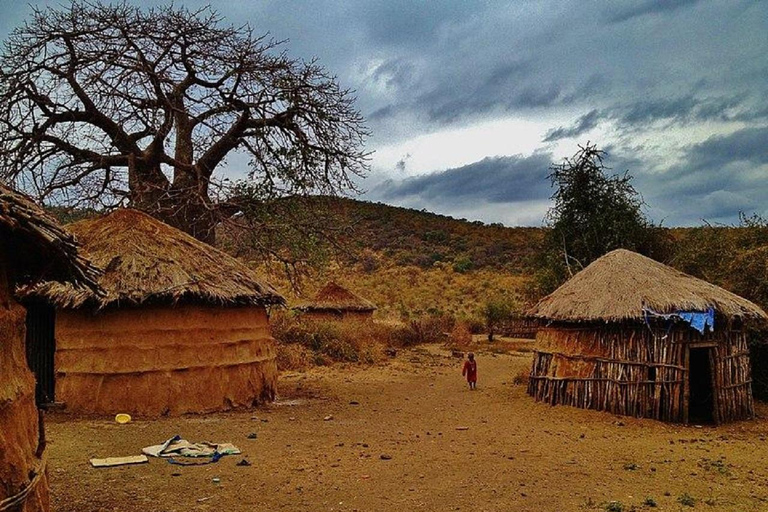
{"x":39,"y":247}
{"x":333,"y":297}
{"x":619,"y":285}
{"x":145,"y":261}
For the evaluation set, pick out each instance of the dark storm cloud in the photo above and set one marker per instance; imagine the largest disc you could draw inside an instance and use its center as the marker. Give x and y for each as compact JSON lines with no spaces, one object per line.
{"x":636,"y":67}
{"x":749,"y":145}
{"x":501,"y":179}
{"x":618,"y":13}
{"x":715,"y":179}
{"x":582,"y":125}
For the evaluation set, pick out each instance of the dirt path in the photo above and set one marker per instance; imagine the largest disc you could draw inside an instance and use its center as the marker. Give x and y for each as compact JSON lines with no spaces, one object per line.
{"x":513,"y":455}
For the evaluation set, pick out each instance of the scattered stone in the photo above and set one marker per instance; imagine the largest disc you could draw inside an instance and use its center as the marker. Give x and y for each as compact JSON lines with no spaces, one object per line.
{"x":252,"y":435}
{"x":328,"y":418}
{"x":354,"y":402}
{"x":385,"y":456}
{"x":175,"y":474}
{"x":216,"y":480}
{"x":243,"y":462}
{"x":462,"y":428}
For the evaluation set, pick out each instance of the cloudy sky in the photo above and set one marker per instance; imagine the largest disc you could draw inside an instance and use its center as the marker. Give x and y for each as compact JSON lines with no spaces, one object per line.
{"x":470,"y":101}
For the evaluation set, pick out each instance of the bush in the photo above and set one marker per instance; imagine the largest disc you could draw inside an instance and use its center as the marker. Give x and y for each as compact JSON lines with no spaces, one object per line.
{"x":424,"y":329}
{"x":521,"y":378}
{"x":460,"y":335}
{"x":303,"y":342}
{"x":462,"y":265}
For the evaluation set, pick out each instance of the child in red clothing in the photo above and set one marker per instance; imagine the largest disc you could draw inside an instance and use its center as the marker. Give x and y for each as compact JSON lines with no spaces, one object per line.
{"x":470,"y":370}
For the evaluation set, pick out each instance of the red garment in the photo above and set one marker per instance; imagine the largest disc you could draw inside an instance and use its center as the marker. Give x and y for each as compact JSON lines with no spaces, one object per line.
{"x":470,"y":370}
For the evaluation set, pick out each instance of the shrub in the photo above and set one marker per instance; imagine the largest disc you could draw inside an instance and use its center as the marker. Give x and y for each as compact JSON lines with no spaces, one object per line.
{"x":460,"y":335}
{"x":686,"y":500}
{"x":301,"y":341}
{"x":294,"y":357}
{"x":521,"y":378}
{"x":462,"y":265}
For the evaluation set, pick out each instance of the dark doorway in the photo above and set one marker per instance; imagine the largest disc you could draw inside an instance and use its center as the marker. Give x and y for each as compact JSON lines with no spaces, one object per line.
{"x":41,"y":349}
{"x":701,"y":402}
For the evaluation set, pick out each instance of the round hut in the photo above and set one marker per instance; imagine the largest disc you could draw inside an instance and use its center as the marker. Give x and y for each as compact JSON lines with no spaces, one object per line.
{"x":32,"y":246}
{"x":183,"y":327}
{"x":635,"y":337}
{"x":334,"y":302}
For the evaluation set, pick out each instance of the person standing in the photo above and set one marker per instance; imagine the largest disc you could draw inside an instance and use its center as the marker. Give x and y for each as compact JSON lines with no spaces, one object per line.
{"x":470,"y":370}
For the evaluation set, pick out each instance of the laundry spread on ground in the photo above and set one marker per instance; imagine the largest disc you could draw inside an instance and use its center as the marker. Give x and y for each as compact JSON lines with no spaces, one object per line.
{"x":178,"y":447}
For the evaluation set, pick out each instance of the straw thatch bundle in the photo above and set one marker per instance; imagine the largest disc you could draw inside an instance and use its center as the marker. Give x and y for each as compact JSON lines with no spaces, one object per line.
{"x":40,"y":247}
{"x":148,"y":262}
{"x":618,"y":285}
{"x":333,"y":297}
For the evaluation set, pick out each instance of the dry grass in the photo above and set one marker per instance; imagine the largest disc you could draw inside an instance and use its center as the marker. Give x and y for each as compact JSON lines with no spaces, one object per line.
{"x":305,"y":342}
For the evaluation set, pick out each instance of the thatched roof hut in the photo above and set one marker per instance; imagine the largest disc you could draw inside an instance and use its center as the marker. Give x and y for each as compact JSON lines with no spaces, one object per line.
{"x":633,"y":336}
{"x":619,"y":285}
{"x":333,"y":301}
{"x":147,"y":262}
{"x":39,"y":246}
{"x":32,"y":247}
{"x":182,"y":327}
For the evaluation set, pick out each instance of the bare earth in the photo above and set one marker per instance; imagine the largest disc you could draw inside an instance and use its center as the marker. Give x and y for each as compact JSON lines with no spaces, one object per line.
{"x":450,"y":449}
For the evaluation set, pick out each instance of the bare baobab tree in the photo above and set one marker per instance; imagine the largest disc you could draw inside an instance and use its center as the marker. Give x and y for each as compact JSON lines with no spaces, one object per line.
{"x":107,"y":103}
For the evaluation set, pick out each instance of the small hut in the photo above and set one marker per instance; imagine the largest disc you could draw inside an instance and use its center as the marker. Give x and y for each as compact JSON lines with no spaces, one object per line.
{"x":334,"y":302}
{"x":32,"y":246}
{"x":183,"y":327}
{"x":635,"y":337}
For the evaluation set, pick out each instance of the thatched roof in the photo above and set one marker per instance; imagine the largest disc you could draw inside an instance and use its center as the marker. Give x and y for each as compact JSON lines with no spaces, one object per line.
{"x":39,"y":247}
{"x":148,"y":262}
{"x":333,"y":297}
{"x":618,"y":285}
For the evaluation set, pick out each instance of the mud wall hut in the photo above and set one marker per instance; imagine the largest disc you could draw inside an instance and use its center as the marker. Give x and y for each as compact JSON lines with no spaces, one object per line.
{"x":335,"y":303}
{"x":635,"y":337}
{"x":183,"y":327}
{"x":32,"y":246}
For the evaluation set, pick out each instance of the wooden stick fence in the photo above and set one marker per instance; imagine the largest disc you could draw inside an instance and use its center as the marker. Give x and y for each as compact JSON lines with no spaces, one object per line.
{"x":638,"y":371}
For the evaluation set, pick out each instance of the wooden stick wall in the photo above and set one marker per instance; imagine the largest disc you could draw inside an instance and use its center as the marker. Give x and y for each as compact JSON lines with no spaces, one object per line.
{"x":639,"y":371}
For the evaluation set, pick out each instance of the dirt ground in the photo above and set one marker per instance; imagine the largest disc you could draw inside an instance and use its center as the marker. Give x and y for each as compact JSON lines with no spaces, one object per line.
{"x":408,"y":435}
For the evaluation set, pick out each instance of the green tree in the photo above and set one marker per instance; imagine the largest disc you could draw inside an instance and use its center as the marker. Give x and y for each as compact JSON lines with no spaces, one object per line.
{"x":594,"y":212}
{"x":496,"y":313}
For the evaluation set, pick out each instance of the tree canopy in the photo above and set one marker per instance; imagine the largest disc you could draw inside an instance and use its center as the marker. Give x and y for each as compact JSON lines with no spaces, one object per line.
{"x":594,"y":212}
{"x":103,"y":104}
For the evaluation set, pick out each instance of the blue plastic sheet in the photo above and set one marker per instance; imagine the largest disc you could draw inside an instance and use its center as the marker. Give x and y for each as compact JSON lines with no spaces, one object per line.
{"x":699,"y":320}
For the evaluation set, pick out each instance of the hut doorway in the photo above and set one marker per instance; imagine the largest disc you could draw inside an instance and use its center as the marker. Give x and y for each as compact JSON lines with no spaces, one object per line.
{"x":701,"y":406}
{"x":41,"y":349}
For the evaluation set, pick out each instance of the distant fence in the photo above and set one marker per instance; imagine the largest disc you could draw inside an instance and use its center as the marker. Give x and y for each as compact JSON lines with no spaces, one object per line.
{"x":521,"y":328}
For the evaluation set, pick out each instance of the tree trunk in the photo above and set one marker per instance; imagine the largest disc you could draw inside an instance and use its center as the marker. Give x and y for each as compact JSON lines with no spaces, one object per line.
{"x":184,"y":204}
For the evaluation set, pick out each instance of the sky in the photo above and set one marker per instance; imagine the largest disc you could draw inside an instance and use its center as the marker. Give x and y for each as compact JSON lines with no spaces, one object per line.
{"x":470,"y":102}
